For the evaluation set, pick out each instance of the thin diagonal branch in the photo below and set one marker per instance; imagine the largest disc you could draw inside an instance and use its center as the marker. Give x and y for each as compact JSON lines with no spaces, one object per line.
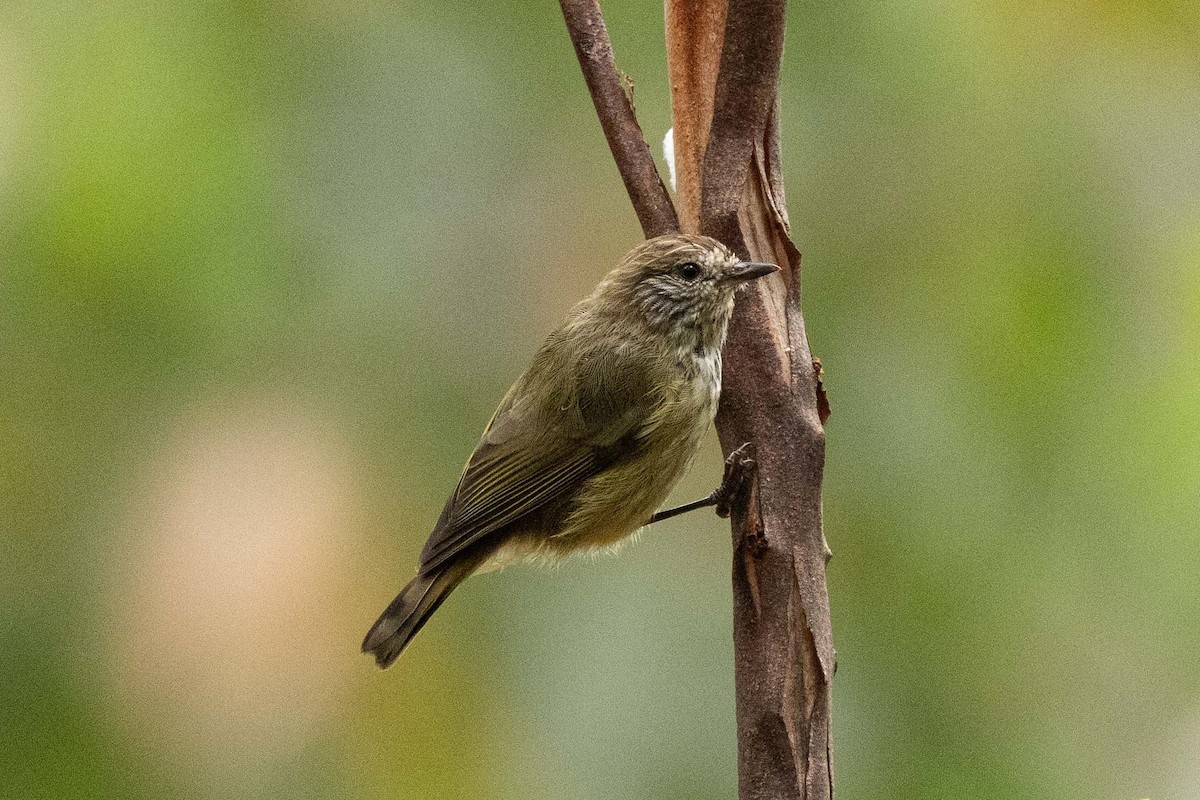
{"x":650,"y":200}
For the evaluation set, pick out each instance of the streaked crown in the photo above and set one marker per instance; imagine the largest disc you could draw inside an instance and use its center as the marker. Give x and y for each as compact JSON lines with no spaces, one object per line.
{"x":680,"y":286}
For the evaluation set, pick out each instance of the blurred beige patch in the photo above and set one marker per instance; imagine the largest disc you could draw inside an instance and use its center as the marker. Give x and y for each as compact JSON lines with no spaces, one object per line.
{"x":230,"y":653}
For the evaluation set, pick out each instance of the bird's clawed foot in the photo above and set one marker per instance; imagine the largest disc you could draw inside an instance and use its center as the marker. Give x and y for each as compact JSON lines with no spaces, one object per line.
{"x":739,"y":471}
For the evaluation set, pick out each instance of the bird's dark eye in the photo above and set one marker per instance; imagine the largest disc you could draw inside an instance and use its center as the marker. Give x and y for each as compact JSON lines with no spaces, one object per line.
{"x":689,"y":271}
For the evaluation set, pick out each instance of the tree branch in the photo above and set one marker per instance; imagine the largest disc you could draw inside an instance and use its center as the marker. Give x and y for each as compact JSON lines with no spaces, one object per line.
{"x":650,"y":200}
{"x":695,"y":30}
{"x":724,"y":61}
{"x":746,"y":92}
{"x":783,"y":645}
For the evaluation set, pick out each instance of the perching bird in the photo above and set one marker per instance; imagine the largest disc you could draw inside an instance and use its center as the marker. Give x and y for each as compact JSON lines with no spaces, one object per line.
{"x":590,"y":440}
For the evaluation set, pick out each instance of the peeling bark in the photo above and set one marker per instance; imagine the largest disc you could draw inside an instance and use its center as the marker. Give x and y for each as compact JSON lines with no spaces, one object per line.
{"x":723,"y":61}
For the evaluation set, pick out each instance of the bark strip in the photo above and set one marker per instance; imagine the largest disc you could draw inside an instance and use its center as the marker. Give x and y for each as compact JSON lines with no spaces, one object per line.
{"x":783,"y":644}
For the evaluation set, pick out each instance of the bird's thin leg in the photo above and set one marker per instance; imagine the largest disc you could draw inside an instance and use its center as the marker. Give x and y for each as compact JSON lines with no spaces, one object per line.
{"x":738,"y":469}
{"x":703,"y":502}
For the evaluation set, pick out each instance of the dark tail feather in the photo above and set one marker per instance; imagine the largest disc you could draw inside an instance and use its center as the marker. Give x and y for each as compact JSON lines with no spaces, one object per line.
{"x":409,"y":612}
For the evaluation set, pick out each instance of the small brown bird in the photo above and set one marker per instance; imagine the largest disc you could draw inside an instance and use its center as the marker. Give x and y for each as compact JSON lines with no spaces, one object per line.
{"x":590,"y":440}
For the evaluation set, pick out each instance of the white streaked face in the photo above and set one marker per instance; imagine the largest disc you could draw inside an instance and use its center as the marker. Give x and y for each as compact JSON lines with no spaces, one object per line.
{"x":687,"y":292}
{"x":681,"y":286}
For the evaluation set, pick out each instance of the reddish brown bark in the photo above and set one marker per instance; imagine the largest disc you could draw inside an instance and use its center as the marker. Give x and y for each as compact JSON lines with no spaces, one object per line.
{"x":724,"y":60}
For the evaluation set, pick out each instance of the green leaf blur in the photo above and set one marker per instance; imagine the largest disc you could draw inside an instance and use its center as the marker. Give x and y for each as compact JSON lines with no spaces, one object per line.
{"x":266,"y":268}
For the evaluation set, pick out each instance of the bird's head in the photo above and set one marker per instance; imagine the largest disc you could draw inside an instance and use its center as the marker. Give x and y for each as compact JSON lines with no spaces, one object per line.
{"x":680,"y":286}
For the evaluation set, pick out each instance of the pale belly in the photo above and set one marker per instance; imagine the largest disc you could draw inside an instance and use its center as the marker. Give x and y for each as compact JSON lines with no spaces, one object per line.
{"x":619,"y":501}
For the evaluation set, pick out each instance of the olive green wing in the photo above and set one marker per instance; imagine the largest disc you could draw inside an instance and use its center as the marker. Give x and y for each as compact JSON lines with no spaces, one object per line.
{"x":547,"y":437}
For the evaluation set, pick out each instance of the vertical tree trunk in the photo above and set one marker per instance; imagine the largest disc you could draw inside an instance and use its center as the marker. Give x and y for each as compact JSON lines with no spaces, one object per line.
{"x":723,"y":60}
{"x":724,"y":67}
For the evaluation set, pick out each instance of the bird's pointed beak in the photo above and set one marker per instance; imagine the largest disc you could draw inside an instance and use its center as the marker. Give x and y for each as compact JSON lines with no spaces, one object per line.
{"x":749,"y":270}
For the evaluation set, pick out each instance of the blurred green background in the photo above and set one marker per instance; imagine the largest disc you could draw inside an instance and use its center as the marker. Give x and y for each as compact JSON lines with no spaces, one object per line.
{"x":265,"y":269}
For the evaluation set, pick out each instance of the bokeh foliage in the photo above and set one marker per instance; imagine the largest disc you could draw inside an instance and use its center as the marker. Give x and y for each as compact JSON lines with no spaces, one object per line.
{"x":265,"y":268}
